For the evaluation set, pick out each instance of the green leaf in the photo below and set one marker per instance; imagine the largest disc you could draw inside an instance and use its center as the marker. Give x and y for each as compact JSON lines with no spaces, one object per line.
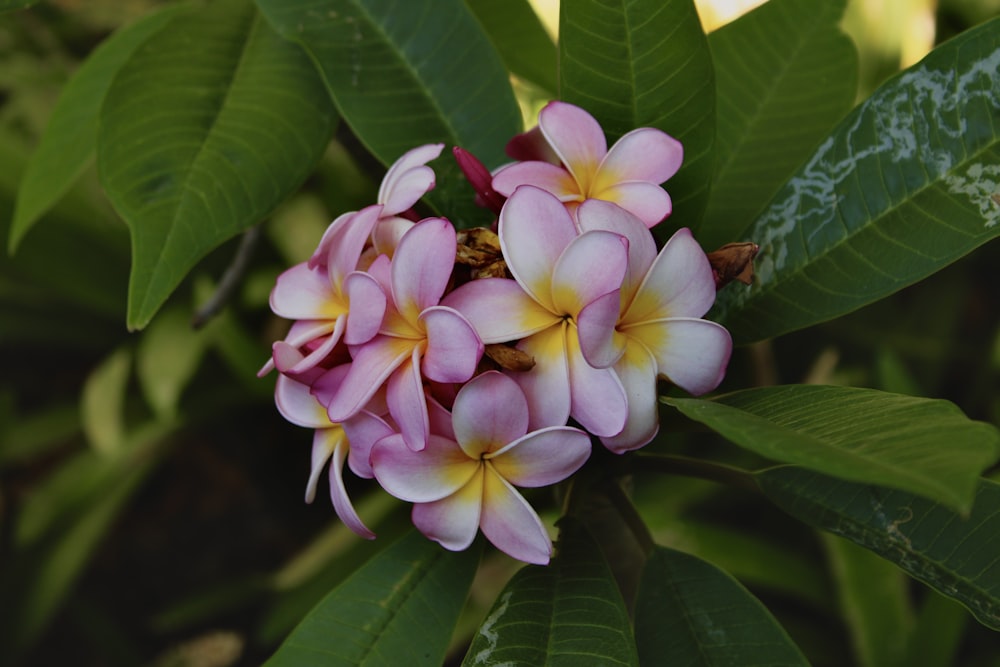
{"x":785,"y":73}
{"x":901,"y":188}
{"x":875,"y":602}
{"x":567,"y":613}
{"x":10,"y":5}
{"x":520,"y":38}
{"x":102,"y":402}
{"x":70,"y":139}
{"x":207,"y":127}
{"x":645,"y":63}
{"x":405,"y":74}
{"x":168,"y":357}
{"x":398,"y":609}
{"x":955,"y":555}
{"x":690,"y":612}
{"x":921,"y":445}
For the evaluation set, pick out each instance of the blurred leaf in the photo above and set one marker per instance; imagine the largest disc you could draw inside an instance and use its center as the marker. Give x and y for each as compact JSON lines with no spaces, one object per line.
{"x":398,"y":609}
{"x":567,"y":613}
{"x":520,"y":38}
{"x":953,"y":554}
{"x":937,"y":635}
{"x":70,"y":140}
{"x":916,"y":444}
{"x":645,"y":63}
{"x":875,"y":600}
{"x":785,"y":73}
{"x":9,"y":5}
{"x":690,"y":612}
{"x":169,"y":353}
{"x":405,"y":74}
{"x":24,"y":437}
{"x":102,"y":402}
{"x":206,"y":128}
{"x":902,"y":188}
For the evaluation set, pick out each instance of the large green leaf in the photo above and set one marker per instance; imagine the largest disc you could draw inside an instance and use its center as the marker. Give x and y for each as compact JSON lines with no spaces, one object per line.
{"x":902,"y":187}
{"x":690,"y":612}
{"x":921,"y":445}
{"x":398,"y":609}
{"x":409,"y":73}
{"x":959,"y":556}
{"x":567,"y":613}
{"x":205,"y":129}
{"x":520,"y":38}
{"x":784,"y":74}
{"x":645,"y":63}
{"x":70,"y":138}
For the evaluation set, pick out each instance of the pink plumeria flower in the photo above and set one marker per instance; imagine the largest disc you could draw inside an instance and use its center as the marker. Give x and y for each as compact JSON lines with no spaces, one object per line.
{"x":565,"y":285}
{"x":658,"y":332}
{"x":419,"y":338}
{"x":332,"y":300}
{"x":464,"y":480}
{"x":629,"y":174}
{"x":330,"y":443}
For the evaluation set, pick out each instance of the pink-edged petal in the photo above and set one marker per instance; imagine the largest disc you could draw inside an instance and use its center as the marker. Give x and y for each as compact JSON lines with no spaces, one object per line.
{"x":546,"y":386}
{"x":576,"y":137}
{"x":452,"y":522}
{"x":637,"y":372}
{"x":535,"y":229}
{"x":363,"y":431}
{"x":440,"y":419}
{"x":440,"y":470}
{"x":598,"y":398}
{"x":290,"y":361}
{"x":689,"y":352}
{"x":348,"y":241}
{"x":598,"y":214}
{"x":453,"y":347}
{"x":549,"y":177}
{"x":373,"y":363}
{"x":489,"y":412}
{"x":600,"y":343}
{"x":321,"y":255}
{"x":368,"y":303}
{"x":650,"y":203}
{"x":298,"y":405}
{"x":510,"y":523}
{"x":388,"y":233}
{"x":408,"y":179}
{"x":407,"y":402}
{"x":679,"y":284}
{"x":338,"y":493}
{"x":645,"y":154}
{"x":422,"y":266}
{"x":381,"y":270}
{"x":324,"y":443}
{"x":301,"y":293}
{"x":499,"y":309}
{"x":592,"y":266}
{"x":542,"y":457}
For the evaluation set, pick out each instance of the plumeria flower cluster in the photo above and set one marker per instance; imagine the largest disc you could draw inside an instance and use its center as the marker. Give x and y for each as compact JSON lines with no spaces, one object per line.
{"x":576,"y":310}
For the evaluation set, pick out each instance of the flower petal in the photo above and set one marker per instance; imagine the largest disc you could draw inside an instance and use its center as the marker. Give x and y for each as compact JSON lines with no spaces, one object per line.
{"x":452,"y":522}
{"x":646,"y":201}
{"x":373,"y":363}
{"x":679,"y":284}
{"x":592,"y":266}
{"x":542,"y":457}
{"x":297,"y":405}
{"x":510,"y":523}
{"x":576,"y":137}
{"x":338,"y":493}
{"x":598,"y":214}
{"x":499,"y":309}
{"x":324,"y":442}
{"x":368,"y":303}
{"x":598,"y":398}
{"x":645,"y":154}
{"x":408,"y":179}
{"x":637,"y":372}
{"x":689,"y":352}
{"x":549,"y":177}
{"x":546,"y":386}
{"x":422,"y":266}
{"x":453,"y":347}
{"x":534,"y":231}
{"x":347,"y":242}
{"x":387,"y":234}
{"x":407,"y":402}
{"x":600,"y":343}
{"x":489,"y":412}
{"x":301,"y":293}
{"x":440,"y":470}
{"x":363,"y":431}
